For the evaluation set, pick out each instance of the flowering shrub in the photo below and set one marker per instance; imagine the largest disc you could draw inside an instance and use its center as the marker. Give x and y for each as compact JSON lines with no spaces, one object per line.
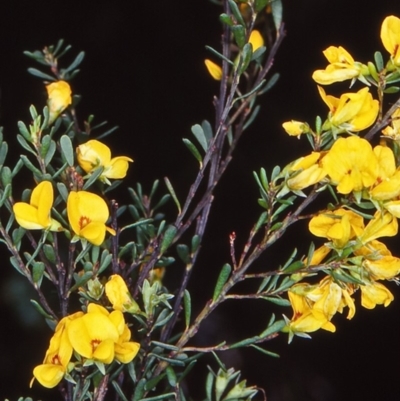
{"x":116,"y":327}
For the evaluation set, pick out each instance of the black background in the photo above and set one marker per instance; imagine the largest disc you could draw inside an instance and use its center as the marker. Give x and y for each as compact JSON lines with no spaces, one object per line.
{"x":144,"y":71}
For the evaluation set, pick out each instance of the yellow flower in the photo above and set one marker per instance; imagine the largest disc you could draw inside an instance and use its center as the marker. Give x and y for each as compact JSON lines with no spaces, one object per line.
{"x":329,"y":298}
{"x":378,"y":261}
{"x":295,"y":128}
{"x":341,"y":67}
{"x":339,"y":226}
{"x":87,"y":214}
{"x":375,"y":294}
{"x":351,"y":164}
{"x":214,"y":69}
{"x":305,"y":319}
{"x":59,"y":98}
{"x":382,"y":225}
{"x":390,"y":36}
{"x":393,"y":130}
{"x":352,"y":111}
{"x":94,"y":154}
{"x":118,"y":294}
{"x":388,"y":181}
{"x":256,"y":40}
{"x":55,"y":363}
{"x":309,"y":172}
{"x":102,"y":336}
{"x":124,"y":349}
{"x":36,"y":214}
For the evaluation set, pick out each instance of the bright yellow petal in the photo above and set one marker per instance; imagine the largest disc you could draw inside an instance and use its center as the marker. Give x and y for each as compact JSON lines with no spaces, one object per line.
{"x":390,"y":35}
{"x":93,"y":154}
{"x":42,"y":199}
{"x":256,"y":39}
{"x":49,"y":375}
{"x":94,"y":232}
{"x":26,"y":216}
{"x":126,"y":351}
{"x":118,"y":167}
{"x":214,"y":69}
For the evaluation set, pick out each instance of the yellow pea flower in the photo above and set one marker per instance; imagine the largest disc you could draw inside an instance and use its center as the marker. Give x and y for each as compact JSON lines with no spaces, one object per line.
{"x":390,"y":36}
{"x":393,"y":130}
{"x":339,"y":226}
{"x":305,"y":319}
{"x":57,"y":358}
{"x":94,"y":154}
{"x":382,"y":225}
{"x":256,"y":40}
{"x":351,"y":164}
{"x":342,"y":67}
{"x":126,"y":350}
{"x":59,"y":98}
{"x":375,"y":294}
{"x":378,"y":260}
{"x":93,"y":335}
{"x":214,"y":69}
{"x":352,"y":111}
{"x":36,"y":214}
{"x":295,"y":128}
{"x":87,"y":215}
{"x":102,"y":336}
{"x":310,"y":172}
{"x":118,"y":294}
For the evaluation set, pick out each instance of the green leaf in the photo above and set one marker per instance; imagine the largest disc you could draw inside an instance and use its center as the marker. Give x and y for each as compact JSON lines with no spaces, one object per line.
{"x":239,"y":34}
{"x":392,"y":89}
{"x":49,"y":252}
{"x":93,"y":177}
{"x":67,"y":149}
{"x":195,"y":243}
{"x":3,"y":152}
{"x":6,"y":176}
{"x":270,"y":83}
{"x":236,"y":12}
{"x":24,"y":130}
{"x":173,"y":194}
{"x":246,"y":55}
{"x":78,"y":60}
{"x":276,"y":7}
{"x":40,"y":74}
{"x":260,"y":4}
{"x":226,"y":19}
{"x":274,"y":328}
{"x":222,"y":279}
{"x":169,"y":236}
{"x":183,"y":253}
{"x":41,"y":310}
{"x":264,"y":351}
{"x":379,"y":61}
{"x":193,"y":150}
{"x":25,"y":144}
{"x":277,"y":301}
{"x":30,"y":166}
{"x":37,"y":272}
{"x":187,"y":306}
{"x":171,"y":376}
{"x":198,"y":132}
{"x":139,"y":390}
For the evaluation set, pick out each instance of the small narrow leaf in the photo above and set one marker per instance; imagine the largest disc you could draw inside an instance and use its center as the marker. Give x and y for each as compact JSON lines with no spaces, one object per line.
{"x":67,"y":149}
{"x":193,"y":150}
{"x":198,"y":132}
{"x":169,"y":236}
{"x":187,"y":306}
{"x":222,"y":279}
{"x":173,"y":194}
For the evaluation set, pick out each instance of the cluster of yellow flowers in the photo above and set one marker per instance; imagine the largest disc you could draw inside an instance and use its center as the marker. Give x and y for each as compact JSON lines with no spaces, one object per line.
{"x":361,"y":172}
{"x":87,"y":212}
{"x":97,"y":336}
